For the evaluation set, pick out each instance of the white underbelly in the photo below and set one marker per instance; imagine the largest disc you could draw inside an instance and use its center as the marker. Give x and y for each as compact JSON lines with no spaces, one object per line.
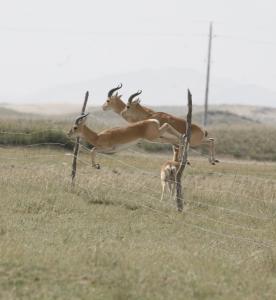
{"x":118,"y":148}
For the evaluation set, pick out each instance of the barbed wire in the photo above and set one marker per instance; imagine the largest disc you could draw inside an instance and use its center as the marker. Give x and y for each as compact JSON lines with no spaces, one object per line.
{"x":150,"y":173}
{"x":141,"y":34}
{"x":195,"y":226}
{"x":198,"y":188}
{"x":152,"y":197}
{"x":72,"y":140}
{"x":193,"y":201}
{"x":155,"y":174}
{"x":220,"y":207}
{"x":140,"y":192}
{"x":162,"y":214}
{"x":264,"y":243}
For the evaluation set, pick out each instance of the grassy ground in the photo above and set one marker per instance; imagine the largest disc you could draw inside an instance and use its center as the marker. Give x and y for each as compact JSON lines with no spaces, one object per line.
{"x":111,"y":238}
{"x":255,"y":142}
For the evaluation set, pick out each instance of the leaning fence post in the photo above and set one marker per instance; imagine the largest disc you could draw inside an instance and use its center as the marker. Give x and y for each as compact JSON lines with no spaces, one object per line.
{"x":184,"y":146}
{"x":77,"y":143}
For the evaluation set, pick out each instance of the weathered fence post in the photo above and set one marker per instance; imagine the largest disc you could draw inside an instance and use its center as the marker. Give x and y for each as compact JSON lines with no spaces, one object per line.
{"x":184,"y":146}
{"x":76,"y":148}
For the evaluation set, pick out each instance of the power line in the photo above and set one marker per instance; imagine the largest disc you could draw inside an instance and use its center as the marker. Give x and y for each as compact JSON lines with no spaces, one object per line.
{"x":245,"y":39}
{"x":131,"y":34}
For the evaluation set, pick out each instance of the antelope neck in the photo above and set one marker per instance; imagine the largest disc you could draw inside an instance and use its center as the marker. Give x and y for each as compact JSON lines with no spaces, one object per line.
{"x":89,"y":135}
{"x":119,"y":106}
{"x":143,"y":112}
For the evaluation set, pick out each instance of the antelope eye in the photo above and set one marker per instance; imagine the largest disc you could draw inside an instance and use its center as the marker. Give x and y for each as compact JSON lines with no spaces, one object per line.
{"x":128,"y":106}
{"x":107,"y":101}
{"x":75,"y":127}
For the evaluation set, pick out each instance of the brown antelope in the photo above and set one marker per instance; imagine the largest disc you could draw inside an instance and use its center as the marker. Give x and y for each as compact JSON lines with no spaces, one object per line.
{"x":112,"y":140}
{"x":168,"y":173}
{"x":115,"y":103}
{"x":198,"y":137}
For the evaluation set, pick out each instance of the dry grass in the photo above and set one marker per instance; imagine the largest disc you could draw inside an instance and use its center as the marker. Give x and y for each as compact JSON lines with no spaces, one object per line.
{"x":111,"y":237}
{"x":255,"y":142}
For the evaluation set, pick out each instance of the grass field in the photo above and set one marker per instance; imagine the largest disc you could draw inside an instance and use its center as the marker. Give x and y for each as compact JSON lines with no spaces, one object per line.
{"x":111,"y":238}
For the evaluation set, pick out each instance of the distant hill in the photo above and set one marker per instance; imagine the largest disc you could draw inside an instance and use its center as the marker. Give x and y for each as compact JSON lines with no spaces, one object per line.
{"x":224,"y":117}
{"x":218,"y":114}
{"x":6,"y":111}
{"x":214,"y":117}
{"x":11,"y":113}
{"x":166,"y":86}
{"x":15,"y":114}
{"x":266,"y":115}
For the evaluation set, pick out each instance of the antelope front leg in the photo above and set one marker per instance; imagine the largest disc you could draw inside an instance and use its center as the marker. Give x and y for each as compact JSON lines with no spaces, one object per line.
{"x":210,"y":150}
{"x":213,"y":150}
{"x":93,"y":156}
{"x":163,"y":190}
{"x":167,"y":128}
{"x":212,"y":159}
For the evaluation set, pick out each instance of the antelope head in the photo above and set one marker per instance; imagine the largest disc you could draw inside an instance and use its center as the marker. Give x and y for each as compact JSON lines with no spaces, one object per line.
{"x":112,"y":99}
{"x":132,"y":106}
{"x":78,"y":125}
{"x":176,"y":157}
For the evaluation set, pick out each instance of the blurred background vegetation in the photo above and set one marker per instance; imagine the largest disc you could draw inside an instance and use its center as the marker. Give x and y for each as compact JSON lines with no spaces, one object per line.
{"x":239,"y":136}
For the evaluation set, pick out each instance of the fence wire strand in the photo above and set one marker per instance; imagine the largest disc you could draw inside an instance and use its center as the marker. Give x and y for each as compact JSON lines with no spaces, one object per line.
{"x":269,"y":243}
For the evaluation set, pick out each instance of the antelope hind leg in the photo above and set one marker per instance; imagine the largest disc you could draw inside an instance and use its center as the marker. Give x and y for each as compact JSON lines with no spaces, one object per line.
{"x":163,"y":190}
{"x":93,"y":156}
{"x":211,"y":144}
{"x":213,"y":150}
{"x":167,"y":128}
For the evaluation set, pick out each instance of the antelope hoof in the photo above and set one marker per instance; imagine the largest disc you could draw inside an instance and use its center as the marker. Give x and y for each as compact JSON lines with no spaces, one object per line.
{"x":217,"y":161}
{"x":97,"y":166}
{"x":213,"y":163}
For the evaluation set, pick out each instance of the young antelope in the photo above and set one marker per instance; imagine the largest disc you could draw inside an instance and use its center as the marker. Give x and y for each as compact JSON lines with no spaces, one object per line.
{"x":168,"y":173}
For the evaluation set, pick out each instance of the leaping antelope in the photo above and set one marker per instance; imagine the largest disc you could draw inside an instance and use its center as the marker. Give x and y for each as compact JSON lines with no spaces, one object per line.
{"x":133,"y":109}
{"x":112,"y":140}
{"x":115,"y":103}
{"x":168,"y":173}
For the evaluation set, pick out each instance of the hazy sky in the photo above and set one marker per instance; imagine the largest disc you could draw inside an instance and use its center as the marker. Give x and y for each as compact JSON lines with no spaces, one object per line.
{"x":47,"y":43}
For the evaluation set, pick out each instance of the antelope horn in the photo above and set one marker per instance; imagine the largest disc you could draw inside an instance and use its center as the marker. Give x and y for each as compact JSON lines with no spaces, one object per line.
{"x":130,"y":99}
{"x":110,"y":93}
{"x":80,"y":118}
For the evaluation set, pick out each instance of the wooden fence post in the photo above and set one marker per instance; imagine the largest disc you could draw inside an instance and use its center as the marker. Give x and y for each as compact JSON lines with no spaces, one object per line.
{"x":184,"y":146}
{"x":76,"y":147}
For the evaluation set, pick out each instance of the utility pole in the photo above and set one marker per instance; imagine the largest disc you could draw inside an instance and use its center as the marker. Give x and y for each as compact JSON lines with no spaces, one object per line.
{"x":208,"y":73}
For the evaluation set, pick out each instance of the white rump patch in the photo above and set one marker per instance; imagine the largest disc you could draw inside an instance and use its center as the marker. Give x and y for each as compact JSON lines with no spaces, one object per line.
{"x":119,"y":147}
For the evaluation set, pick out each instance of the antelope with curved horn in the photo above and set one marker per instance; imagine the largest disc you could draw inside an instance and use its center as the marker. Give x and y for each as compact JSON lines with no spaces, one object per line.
{"x":115,"y":103}
{"x":112,"y":140}
{"x":198,"y":137}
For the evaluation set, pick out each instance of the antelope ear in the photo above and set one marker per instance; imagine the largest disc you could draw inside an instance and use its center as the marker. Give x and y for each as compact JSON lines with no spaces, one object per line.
{"x":116,"y":95}
{"x":137,"y":101}
{"x":120,"y":96}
